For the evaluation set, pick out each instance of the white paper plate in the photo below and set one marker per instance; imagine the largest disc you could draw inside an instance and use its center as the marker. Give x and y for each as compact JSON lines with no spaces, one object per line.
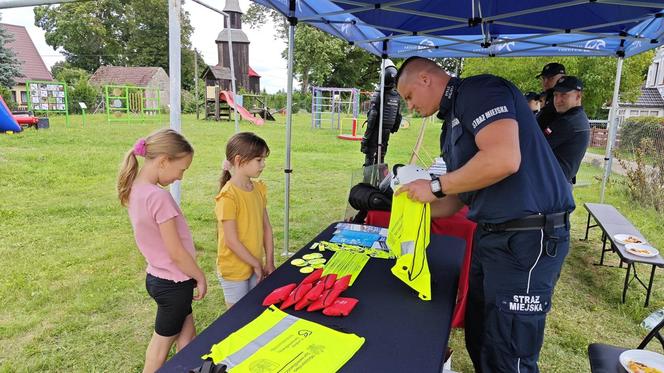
{"x":640,"y":249}
{"x":622,"y":237}
{"x":649,"y":358}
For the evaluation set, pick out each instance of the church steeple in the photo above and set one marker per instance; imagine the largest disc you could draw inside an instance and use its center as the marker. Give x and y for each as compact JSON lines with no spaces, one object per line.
{"x":240,"y":44}
{"x":233,"y":9}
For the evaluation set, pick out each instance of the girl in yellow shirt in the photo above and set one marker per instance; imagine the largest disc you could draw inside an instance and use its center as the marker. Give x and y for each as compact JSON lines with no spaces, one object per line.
{"x":245,"y":248}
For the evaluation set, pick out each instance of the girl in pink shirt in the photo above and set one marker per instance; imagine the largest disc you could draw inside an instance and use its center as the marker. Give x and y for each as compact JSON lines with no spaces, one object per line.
{"x":163,"y":237}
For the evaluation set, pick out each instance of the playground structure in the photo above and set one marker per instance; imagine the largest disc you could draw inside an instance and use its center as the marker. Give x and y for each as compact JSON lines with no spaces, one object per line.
{"x":219,"y":105}
{"x":131,"y":104}
{"x":353,"y":136}
{"x":330,"y":104}
{"x":48,"y":98}
{"x":257,"y":104}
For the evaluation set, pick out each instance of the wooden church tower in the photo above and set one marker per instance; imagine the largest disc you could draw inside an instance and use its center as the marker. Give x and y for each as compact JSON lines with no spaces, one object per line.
{"x":240,"y":46}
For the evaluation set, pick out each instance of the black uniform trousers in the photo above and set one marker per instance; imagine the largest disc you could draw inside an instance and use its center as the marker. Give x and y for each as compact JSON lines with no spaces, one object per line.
{"x":511,"y":283}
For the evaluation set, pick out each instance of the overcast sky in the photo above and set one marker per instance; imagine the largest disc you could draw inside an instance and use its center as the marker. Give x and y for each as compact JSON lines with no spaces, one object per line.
{"x":264,"y":50}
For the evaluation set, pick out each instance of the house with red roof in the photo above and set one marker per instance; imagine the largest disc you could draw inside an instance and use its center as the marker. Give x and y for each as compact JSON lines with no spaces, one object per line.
{"x":32,"y":65}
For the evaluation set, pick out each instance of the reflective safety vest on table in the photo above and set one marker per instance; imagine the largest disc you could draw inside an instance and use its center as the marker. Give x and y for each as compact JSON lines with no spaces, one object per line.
{"x":278,"y":342}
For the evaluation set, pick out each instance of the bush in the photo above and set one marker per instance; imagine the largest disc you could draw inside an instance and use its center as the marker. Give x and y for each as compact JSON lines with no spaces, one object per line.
{"x":6,"y":94}
{"x":82,"y":91}
{"x":637,"y":129}
{"x":188,"y":102}
{"x":645,"y":176}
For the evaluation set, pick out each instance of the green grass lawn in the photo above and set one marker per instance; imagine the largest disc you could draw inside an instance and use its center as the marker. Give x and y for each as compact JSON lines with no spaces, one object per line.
{"x":72,"y":283}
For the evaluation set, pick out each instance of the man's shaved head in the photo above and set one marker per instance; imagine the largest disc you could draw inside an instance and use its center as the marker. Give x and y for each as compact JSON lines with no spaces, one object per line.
{"x":416,"y":64}
{"x":421,"y":83}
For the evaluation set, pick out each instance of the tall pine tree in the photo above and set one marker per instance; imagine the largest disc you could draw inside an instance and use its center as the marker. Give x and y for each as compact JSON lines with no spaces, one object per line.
{"x":9,"y":65}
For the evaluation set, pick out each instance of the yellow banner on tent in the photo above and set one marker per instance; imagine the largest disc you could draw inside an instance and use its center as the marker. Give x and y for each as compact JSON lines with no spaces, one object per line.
{"x":278,"y":342}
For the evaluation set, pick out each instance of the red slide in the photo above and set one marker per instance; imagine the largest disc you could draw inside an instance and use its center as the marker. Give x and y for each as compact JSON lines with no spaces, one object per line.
{"x":228,"y":97}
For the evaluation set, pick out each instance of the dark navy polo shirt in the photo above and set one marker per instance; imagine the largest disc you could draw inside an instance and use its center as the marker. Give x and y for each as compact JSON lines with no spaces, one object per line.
{"x":469,"y":105}
{"x":569,"y":135}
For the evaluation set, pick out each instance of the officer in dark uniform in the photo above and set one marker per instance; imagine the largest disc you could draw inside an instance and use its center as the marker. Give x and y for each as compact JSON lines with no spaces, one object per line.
{"x":533,"y":101}
{"x":391,"y":118}
{"x":569,"y":133}
{"x":501,"y":167}
{"x":550,"y":74}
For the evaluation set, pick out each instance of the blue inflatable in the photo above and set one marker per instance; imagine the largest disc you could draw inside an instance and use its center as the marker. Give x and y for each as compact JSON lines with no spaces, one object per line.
{"x":7,"y":121}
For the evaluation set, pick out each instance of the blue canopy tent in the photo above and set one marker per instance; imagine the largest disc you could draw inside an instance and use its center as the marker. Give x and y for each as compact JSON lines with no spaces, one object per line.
{"x":437,"y":28}
{"x":480,"y":28}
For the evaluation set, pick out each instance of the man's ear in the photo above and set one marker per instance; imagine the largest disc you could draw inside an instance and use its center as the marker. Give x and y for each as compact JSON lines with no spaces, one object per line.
{"x":424,"y":78}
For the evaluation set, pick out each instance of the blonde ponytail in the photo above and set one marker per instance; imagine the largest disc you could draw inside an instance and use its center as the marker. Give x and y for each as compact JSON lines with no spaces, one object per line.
{"x":128,"y":172}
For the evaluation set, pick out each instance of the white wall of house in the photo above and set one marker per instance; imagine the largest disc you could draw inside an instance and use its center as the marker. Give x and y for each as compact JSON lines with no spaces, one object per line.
{"x":654,"y":79}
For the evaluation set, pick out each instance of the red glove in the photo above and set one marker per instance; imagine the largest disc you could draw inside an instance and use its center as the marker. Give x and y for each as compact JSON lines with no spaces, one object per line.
{"x":278,"y":295}
{"x":313,"y":277}
{"x":302,"y":289}
{"x":312,"y":295}
{"x":329,"y":280}
{"x":296,"y":295}
{"x":342,"y":306}
{"x":328,"y":296}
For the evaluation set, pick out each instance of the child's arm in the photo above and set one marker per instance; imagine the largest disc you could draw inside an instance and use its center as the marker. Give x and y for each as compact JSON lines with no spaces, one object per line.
{"x":268,"y":243}
{"x":233,"y":242}
{"x":182,"y":259}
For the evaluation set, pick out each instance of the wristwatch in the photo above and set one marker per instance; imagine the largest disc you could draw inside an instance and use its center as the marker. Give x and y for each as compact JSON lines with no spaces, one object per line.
{"x":436,"y":188}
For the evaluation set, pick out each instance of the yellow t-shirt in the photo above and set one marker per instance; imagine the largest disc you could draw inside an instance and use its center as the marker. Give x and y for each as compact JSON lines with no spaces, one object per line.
{"x":247,"y":209}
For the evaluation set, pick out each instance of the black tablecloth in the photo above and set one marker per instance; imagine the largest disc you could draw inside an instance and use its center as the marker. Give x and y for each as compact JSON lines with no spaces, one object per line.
{"x":402,"y":333}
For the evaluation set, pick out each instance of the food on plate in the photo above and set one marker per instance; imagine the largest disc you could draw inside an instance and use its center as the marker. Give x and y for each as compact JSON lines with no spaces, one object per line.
{"x":636,"y":367}
{"x":634,"y":250}
{"x":633,"y":239}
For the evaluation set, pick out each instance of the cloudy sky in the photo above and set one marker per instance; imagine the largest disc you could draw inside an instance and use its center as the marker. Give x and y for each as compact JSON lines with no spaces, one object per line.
{"x":264,"y":50}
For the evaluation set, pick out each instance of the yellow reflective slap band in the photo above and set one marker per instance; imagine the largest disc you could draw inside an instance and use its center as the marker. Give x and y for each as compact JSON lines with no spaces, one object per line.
{"x":408,"y":237}
{"x":278,"y":342}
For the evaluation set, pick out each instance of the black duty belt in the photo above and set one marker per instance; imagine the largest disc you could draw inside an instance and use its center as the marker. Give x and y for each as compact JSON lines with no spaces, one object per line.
{"x":532,"y":222}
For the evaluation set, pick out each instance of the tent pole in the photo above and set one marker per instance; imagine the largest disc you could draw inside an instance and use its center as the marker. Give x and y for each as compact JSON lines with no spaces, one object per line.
{"x":230,"y":52}
{"x":612,"y":127}
{"x":289,"y":122}
{"x":174,"y":70}
{"x":382,"y":100}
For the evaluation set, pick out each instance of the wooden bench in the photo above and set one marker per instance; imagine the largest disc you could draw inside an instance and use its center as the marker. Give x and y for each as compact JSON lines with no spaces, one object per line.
{"x":612,"y":222}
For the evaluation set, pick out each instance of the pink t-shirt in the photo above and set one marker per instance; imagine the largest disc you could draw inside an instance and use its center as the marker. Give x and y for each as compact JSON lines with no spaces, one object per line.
{"x":149,"y":206}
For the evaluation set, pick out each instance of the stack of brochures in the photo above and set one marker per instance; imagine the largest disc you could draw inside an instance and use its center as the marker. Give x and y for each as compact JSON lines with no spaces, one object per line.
{"x":361,"y":235}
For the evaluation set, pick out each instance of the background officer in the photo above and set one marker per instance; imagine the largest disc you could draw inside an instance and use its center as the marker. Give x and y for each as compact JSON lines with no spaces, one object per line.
{"x":533,"y":99}
{"x":391,"y":117}
{"x":569,"y":133}
{"x":550,"y":74}
{"x":501,"y":167}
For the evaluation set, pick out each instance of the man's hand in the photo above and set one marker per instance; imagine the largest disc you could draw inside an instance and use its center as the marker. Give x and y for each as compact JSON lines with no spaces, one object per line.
{"x":418,"y":190}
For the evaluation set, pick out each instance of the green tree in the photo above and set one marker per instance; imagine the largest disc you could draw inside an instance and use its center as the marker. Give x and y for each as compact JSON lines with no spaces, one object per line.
{"x":114,"y":32}
{"x":320,"y":59}
{"x":597,"y":74}
{"x":10,"y":67}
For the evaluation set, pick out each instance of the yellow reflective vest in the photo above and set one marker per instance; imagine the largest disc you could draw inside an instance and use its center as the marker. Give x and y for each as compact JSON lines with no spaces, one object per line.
{"x":408,"y":236}
{"x":278,"y":342}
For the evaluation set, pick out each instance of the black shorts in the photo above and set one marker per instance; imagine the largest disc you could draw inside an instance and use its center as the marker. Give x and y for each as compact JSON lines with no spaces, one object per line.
{"x":173,"y":303}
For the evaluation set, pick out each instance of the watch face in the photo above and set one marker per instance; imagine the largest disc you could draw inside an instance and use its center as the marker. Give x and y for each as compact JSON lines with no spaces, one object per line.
{"x":435,"y":186}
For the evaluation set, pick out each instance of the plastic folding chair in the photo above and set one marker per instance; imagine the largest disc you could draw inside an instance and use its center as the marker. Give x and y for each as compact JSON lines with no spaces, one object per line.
{"x":605,"y":358}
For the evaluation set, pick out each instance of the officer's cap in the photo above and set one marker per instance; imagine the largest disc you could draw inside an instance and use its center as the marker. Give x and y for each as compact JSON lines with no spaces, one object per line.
{"x":568,"y":83}
{"x":532,"y":96}
{"x":551,"y":69}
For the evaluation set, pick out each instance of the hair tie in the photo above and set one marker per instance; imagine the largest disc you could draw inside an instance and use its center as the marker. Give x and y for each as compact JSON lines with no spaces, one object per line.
{"x":139,"y":148}
{"x":226,"y":165}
